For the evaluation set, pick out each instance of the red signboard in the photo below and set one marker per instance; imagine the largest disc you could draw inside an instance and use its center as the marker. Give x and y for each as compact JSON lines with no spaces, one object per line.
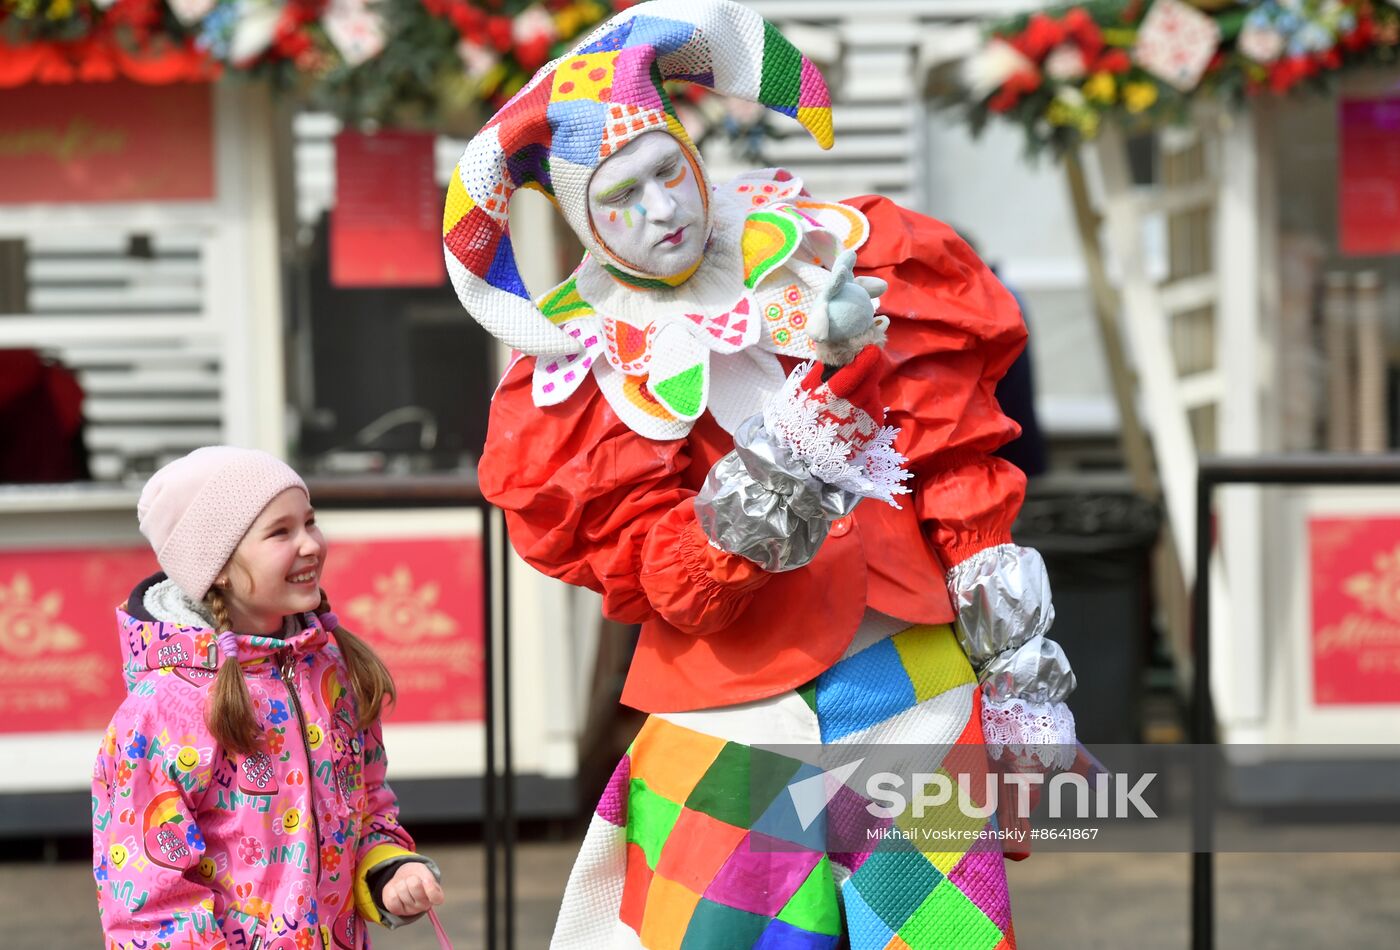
{"x":418,"y":602}
{"x":1369,"y":177}
{"x":59,"y":649}
{"x":386,"y":227}
{"x":1355,"y":610}
{"x":109,"y":141}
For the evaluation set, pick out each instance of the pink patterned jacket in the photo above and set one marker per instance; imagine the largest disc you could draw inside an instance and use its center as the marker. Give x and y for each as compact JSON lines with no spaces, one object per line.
{"x":196,"y":847}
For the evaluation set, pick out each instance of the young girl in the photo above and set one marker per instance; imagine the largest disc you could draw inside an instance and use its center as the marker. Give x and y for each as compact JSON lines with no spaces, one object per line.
{"x":239,"y":798}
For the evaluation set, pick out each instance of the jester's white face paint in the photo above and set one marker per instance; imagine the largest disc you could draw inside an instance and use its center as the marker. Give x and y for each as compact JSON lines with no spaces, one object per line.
{"x":647,"y":207}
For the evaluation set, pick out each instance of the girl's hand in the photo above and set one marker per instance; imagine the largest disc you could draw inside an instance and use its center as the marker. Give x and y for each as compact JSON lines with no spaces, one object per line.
{"x":412,"y":890}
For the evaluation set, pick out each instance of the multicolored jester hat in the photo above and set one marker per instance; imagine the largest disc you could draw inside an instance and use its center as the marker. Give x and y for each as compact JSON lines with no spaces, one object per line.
{"x":583,"y":107}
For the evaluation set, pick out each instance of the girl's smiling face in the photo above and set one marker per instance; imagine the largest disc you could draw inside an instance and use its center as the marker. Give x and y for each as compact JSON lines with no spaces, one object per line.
{"x":276,"y":568}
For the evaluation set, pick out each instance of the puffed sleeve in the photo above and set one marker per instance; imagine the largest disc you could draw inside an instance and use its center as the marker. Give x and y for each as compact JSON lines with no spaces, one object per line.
{"x":593,"y":503}
{"x":954,"y":332}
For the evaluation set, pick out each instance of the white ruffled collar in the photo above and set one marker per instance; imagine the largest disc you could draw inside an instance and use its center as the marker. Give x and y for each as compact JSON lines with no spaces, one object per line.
{"x":663,"y":356}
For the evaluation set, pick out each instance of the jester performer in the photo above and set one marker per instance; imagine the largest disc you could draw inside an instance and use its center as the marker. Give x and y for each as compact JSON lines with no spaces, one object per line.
{"x":760,"y":425}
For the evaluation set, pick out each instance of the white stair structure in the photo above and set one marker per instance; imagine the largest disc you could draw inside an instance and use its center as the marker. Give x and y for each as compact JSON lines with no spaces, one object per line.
{"x":1193,"y":329}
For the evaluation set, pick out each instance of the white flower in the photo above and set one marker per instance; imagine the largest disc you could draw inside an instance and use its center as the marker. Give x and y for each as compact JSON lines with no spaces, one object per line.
{"x":988,"y":70}
{"x":1260,"y":43}
{"x":188,"y":12}
{"x":1065,"y":62}
{"x":477,"y":59}
{"x":532,"y":22}
{"x":1071,"y":97}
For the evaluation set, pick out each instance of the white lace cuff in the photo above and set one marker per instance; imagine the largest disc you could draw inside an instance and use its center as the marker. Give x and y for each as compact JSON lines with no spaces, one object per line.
{"x":1036,"y":736}
{"x":837,"y":441}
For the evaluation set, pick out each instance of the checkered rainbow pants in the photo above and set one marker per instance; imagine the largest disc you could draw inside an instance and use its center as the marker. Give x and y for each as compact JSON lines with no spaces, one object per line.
{"x":695,"y":845}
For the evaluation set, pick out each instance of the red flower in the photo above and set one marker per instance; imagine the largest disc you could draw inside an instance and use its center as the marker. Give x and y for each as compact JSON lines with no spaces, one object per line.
{"x":1085,"y":33}
{"x":1362,"y":36}
{"x":292,"y":45}
{"x":304,"y":939}
{"x":469,"y":20}
{"x":1287,"y":73}
{"x":275,"y":739}
{"x":330,"y":857}
{"x":498,"y":29}
{"x":1113,"y":61}
{"x":1040,"y":36}
{"x":141,"y":15}
{"x":1016,"y":86}
{"x":533,"y":53}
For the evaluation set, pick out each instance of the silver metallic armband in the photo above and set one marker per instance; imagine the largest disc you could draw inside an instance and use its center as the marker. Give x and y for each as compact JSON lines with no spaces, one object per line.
{"x":1002,"y":597}
{"x":763,"y":504}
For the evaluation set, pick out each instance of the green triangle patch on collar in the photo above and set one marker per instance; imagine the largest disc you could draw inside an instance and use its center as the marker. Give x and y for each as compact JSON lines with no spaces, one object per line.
{"x":564,"y":302}
{"x":684,"y":393}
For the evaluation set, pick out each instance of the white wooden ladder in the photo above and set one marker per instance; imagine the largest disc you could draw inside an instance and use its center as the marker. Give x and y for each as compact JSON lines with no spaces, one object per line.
{"x":1191,"y":316}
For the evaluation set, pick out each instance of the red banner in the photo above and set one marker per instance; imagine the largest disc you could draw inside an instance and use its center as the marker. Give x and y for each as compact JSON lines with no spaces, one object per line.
{"x":59,"y":649}
{"x":116,"y":141}
{"x":418,"y":602}
{"x":1355,"y":610}
{"x":1369,"y":177}
{"x":386,"y":227}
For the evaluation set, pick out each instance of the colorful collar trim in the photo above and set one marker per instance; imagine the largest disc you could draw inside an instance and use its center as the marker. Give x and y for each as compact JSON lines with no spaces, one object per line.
{"x":655,"y":283}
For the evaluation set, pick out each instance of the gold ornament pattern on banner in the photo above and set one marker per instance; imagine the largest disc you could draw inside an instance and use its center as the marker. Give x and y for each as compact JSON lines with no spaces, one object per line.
{"x":401,"y":609}
{"x":29,"y":624}
{"x":1379,"y":590}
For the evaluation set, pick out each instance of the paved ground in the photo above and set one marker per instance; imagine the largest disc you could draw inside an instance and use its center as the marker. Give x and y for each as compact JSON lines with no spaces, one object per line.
{"x":1079,"y":901}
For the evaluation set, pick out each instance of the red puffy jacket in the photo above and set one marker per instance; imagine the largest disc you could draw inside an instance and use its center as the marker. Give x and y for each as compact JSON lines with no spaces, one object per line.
{"x":591,"y":502}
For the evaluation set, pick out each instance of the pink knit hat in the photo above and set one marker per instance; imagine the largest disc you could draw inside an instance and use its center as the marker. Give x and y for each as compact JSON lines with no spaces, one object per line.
{"x":196,"y":509}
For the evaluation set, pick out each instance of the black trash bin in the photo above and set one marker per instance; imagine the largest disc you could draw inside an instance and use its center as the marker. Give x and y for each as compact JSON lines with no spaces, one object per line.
{"x":1097,"y":547}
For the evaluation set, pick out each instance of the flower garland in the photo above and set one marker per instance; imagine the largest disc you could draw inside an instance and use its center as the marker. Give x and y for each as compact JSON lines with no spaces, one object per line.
{"x":384,"y":60}
{"x":1060,"y":74}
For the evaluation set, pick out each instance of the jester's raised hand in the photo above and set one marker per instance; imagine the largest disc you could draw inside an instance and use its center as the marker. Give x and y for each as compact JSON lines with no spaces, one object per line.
{"x":847,"y":323}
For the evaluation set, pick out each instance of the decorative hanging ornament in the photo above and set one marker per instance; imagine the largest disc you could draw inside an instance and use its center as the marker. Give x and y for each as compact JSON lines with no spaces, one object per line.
{"x":356,"y":30}
{"x":1176,"y":43}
